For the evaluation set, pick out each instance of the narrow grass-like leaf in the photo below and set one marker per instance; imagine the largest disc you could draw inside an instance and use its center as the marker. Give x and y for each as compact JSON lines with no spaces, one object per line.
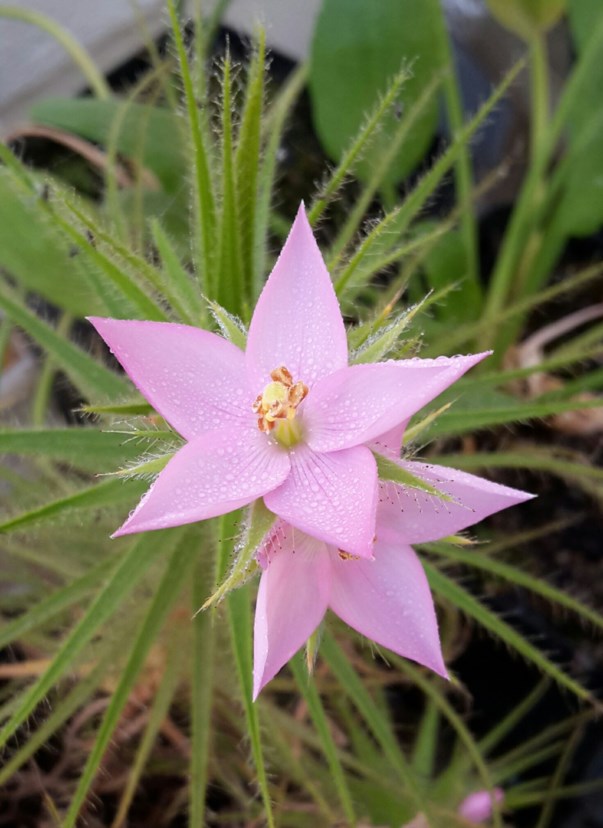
{"x":86,"y":373}
{"x":164,"y":598}
{"x":204,"y":234}
{"x":316,"y":709}
{"x":397,"y":222}
{"x":179,"y":285}
{"x":520,"y":578}
{"x":135,"y":408}
{"x":471,"y":418}
{"x":230,"y":289}
{"x":426,"y":741}
{"x":355,"y":151}
{"x":273,"y":124}
{"x":240,"y":624}
{"x":55,"y":603}
{"x":124,"y":578}
{"x":372,"y":714}
{"x":246,"y":162}
{"x":442,"y":703}
{"x":106,"y":493}
{"x":469,"y":605}
{"x":203,"y":632}
{"x":162,"y":700}
{"x":84,"y":448}
{"x":380,"y":171}
{"x":63,"y":709}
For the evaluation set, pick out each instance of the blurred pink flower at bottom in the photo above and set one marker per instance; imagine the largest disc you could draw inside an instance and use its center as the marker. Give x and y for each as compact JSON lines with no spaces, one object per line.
{"x":477,"y":807}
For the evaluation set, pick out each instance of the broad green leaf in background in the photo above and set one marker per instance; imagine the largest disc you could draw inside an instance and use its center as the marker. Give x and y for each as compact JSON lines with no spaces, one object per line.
{"x":37,"y":255}
{"x":148,"y":133}
{"x":357,"y":48}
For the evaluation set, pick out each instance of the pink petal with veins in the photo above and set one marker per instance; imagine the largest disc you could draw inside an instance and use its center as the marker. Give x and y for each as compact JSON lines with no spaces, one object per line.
{"x":358,"y":403}
{"x":388,"y":600}
{"x":297,"y":321}
{"x":413,"y":516}
{"x":213,"y":474}
{"x":332,"y":497}
{"x":477,"y":808}
{"x":292,"y":600}
{"x":193,"y":378}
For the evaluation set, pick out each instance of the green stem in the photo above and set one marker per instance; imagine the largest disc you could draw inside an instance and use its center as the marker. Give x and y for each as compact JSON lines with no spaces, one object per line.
{"x":76,"y":52}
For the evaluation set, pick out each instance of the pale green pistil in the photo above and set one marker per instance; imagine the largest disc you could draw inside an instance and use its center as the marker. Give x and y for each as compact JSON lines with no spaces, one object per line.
{"x":288,"y":433}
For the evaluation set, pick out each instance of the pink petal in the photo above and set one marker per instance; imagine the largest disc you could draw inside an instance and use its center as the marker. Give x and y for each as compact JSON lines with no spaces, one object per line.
{"x":297,"y":322}
{"x":414,"y":516}
{"x":390,"y":443}
{"x":292,"y":600}
{"x":332,"y":497}
{"x":193,"y":378}
{"x":358,"y":403}
{"x":388,"y":600}
{"x":213,"y":474}
{"x":478,"y":807}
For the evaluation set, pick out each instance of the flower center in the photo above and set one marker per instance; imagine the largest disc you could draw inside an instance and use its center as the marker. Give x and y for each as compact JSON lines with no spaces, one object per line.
{"x":277,"y":405}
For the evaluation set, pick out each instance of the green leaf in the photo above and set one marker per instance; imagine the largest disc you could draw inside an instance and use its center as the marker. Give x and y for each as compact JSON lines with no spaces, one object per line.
{"x":124,"y":578}
{"x":166,"y":593}
{"x":247,"y":161}
{"x":380,"y":342}
{"x":358,"y":147}
{"x":581,"y":15}
{"x":373,"y":714}
{"x":317,"y":712}
{"x":230,"y":287}
{"x":148,"y":134}
{"x":161,"y":703}
{"x":391,"y":471}
{"x":240,"y":624}
{"x":179,"y":284}
{"x":84,"y":448}
{"x":517,"y":576}
{"x":201,"y":695}
{"x":55,"y":603}
{"x":357,"y":48}
{"x":107,"y":493}
{"x":203,"y":193}
{"x":469,"y":412}
{"x":469,"y":605}
{"x":87,"y":374}
{"x":32,"y":251}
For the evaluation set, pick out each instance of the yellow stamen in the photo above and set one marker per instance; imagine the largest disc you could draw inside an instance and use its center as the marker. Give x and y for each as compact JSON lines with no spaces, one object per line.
{"x":277,"y":406}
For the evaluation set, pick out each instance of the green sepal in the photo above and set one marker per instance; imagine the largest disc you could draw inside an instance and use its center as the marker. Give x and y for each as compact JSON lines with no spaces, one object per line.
{"x":261,"y":521}
{"x":389,"y":470}
{"x":231,"y":326}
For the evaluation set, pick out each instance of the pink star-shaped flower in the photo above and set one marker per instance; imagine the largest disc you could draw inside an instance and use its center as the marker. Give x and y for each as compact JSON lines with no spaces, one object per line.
{"x":386,"y":599}
{"x":288,"y":420}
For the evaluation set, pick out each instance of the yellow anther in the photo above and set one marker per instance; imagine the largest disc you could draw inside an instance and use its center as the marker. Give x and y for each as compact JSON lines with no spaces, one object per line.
{"x":279,"y":399}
